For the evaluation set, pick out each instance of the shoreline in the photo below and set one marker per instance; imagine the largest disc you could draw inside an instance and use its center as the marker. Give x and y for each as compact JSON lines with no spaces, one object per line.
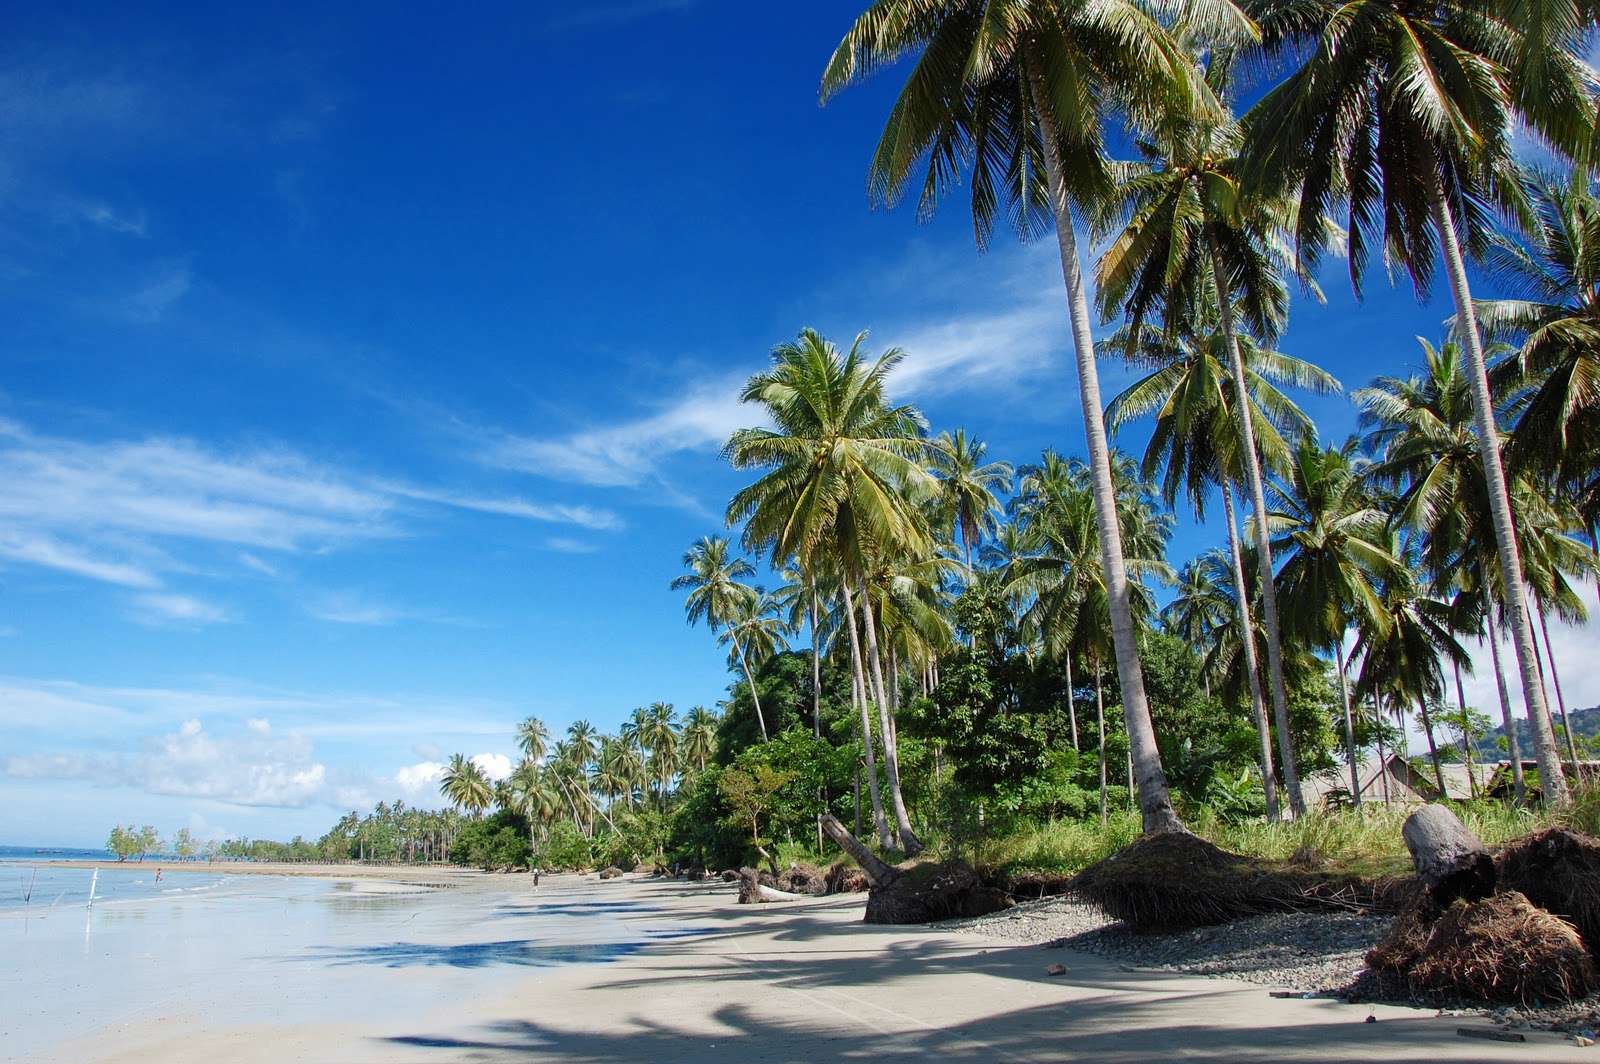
{"x":809,"y":981}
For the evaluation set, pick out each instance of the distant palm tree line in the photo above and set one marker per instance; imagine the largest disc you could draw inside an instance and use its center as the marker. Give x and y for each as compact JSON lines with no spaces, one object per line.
{"x":1391,"y":133}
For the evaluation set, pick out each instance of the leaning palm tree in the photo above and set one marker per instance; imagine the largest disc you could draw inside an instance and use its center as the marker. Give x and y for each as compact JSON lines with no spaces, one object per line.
{"x":1405,"y":112}
{"x":717,"y":596}
{"x":1016,"y":92}
{"x":843,"y":489}
{"x":755,"y":634}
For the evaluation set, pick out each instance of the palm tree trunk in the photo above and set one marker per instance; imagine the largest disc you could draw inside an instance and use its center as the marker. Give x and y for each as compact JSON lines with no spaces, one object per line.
{"x":1349,"y":725}
{"x":1100,"y":715}
{"x":755,"y":699}
{"x":1383,"y":758}
{"x":1513,"y":746}
{"x":1155,"y":800}
{"x":1258,"y":507}
{"x":816,"y":669}
{"x":1072,"y":704}
{"x":1433,"y":749}
{"x":1556,"y":792}
{"x":1258,"y":704}
{"x":1466,"y":732}
{"x":891,"y":754}
{"x":879,"y":820}
{"x":1555,"y":678}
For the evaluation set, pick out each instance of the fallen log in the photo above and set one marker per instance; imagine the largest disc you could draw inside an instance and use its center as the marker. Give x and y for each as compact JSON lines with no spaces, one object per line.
{"x":1451,"y":862}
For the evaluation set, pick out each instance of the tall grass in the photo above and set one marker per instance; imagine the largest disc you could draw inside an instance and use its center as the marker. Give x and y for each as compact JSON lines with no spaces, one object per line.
{"x":1367,"y":841}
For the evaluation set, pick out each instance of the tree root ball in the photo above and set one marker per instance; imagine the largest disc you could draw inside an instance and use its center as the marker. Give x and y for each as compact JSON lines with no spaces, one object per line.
{"x":611,"y":873}
{"x":925,"y":891}
{"x":845,"y":878}
{"x":802,"y":878}
{"x":1503,"y":949}
{"x":1559,"y":871}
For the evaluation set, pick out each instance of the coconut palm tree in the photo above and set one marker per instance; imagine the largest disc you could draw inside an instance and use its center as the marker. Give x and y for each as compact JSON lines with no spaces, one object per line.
{"x":662,"y":737}
{"x":533,"y":738}
{"x":466,"y":785}
{"x":717,"y":596}
{"x":1016,"y":93}
{"x":967,"y":506}
{"x":1199,"y":441}
{"x":1334,"y":543}
{"x":755,"y":634}
{"x":699,"y":736}
{"x":1405,"y":111}
{"x":843,"y":490}
{"x":1192,"y":243}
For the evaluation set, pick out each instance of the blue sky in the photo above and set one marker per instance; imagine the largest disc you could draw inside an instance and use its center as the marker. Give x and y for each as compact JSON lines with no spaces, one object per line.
{"x":365,"y":371}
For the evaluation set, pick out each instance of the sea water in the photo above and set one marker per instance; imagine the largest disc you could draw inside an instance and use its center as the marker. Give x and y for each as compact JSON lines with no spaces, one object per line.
{"x":200,"y":946}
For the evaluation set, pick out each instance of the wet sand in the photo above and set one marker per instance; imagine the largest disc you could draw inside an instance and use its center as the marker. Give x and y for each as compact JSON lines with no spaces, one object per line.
{"x":803,"y":981}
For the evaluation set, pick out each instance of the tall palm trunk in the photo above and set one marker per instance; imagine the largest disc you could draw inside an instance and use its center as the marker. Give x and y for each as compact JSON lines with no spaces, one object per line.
{"x":1100,"y":716}
{"x":885,"y":840}
{"x":1433,"y":749}
{"x":891,"y":755}
{"x":755,"y":699}
{"x":816,"y":668}
{"x":1349,"y":725}
{"x":1466,"y":732}
{"x":1072,"y":705}
{"x":1556,"y":792}
{"x":1383,"y":758}
{"x":1561,"y":700}
{"x":1258,"y":506}
{"x":1258,"y":706}
{"x":1513,"y":745}
{"x":1155,"y":800}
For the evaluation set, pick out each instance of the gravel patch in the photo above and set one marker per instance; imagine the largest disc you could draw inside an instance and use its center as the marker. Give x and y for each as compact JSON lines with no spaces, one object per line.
{"x":1305,"y":952}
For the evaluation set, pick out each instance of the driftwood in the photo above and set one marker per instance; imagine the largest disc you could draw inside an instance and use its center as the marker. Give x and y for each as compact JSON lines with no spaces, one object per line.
{"x":1451,"y":863}
{"x":915,"y":892}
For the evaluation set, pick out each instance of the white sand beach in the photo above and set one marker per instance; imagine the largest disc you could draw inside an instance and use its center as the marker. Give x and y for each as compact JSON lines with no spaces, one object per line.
{"x":695,"y":977}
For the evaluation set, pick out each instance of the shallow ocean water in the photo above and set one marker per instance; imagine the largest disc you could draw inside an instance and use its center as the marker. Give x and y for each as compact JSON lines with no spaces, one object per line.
{"x":247,"y":949}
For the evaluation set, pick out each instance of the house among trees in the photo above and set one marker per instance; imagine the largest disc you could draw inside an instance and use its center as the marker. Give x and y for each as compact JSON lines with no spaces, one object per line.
{"x":1396,"y":780}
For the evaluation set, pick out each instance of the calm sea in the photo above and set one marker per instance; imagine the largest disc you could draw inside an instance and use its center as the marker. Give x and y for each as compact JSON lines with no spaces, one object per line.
{"x":232,"y":950}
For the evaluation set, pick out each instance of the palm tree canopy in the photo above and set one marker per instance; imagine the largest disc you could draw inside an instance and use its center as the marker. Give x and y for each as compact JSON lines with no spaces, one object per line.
{"x":715,"y":594}
{"x":970,"y":102}
{"x":844,"y":468}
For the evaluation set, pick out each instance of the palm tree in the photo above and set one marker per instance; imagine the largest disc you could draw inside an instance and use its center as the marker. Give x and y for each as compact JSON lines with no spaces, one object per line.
{"x":1334,"y":543}
{"x":843,"y":489}
{"x":662,"y":738}
{"x":1406,"y":111}
{"x":699,"y":736}
{"x":1193,"y":241}
{"x":967,"y":504}
{"x":466,"y":785}
{"x":1424,"y":429}
{"x":717,"y":596}
{"x":533,"y":738}
{"x":755,"y":634}
{"x":1016,"y":92}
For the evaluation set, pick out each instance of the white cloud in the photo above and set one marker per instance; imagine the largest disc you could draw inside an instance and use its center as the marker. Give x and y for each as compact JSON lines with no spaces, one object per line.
{"x":183,"y":610}
{"x":628,"y":453}
{"x":495,"y":766}
{"x":252,"y":767}
{"x":118,"y":511}
{"x":151,"y":300}
{"x":420,"y":779}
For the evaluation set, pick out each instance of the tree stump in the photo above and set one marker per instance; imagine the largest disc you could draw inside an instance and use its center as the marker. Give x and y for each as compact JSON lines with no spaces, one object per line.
{"x":916,"y":892}
{"x":1451,"y":862}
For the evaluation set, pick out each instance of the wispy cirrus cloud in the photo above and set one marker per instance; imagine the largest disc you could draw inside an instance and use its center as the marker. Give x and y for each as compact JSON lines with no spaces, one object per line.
{"x":994,"y":338}
{"x":135,"y":512}
{"x":183,"y":611}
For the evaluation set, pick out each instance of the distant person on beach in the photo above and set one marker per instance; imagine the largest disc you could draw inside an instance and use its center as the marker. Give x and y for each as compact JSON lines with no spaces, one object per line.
{"x":158,"y":875}
{"x":536,"y":877}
